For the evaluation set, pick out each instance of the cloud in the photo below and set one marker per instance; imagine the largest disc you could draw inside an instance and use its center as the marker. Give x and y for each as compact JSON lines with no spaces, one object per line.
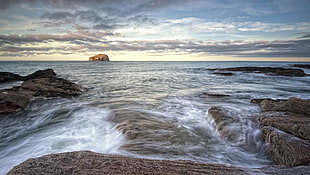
{"x":40,"y":44}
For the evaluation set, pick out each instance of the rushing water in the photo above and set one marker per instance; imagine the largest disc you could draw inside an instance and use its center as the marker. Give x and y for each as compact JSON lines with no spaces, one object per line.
{"x":164,"y":99}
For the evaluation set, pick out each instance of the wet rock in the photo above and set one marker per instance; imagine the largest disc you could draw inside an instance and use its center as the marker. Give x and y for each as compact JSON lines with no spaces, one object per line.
{"x":86,"y":162}
{"x":266,"y":70}
{"x":227,"y":126}
{"x":215,"y":95}
{"x":293,"y":105}
{"x":305,"y":66}
{"x":7,"y":76}
{"x":147,"y":133}
{"x":294,"y":124}
{"x":224,"y":73}
{"x":286,"y":128}
{"x":50,"y":87}
{"x":17,"y":98}
{"x":286,"y":149}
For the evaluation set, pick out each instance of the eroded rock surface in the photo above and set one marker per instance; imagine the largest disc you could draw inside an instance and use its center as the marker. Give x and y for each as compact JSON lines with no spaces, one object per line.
{"x":86,"y":162}
{"x":286,"y":126}
{"x":147,"y":133}
{"x":266,"y":70}
{"x":227,"y":126}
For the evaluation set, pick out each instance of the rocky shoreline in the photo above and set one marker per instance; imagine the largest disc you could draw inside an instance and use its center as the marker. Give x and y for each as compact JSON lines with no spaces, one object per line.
{"x":284,"y":124}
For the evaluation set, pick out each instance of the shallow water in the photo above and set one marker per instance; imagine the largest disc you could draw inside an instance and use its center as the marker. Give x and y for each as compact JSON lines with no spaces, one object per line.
{"x":163,"y":102}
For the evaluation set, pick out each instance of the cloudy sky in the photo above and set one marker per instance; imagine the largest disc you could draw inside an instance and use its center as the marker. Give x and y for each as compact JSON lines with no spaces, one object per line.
{"x":155,"y":30}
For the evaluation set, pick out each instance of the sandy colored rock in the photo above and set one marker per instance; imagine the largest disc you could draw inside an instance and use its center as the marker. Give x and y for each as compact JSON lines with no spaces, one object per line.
{"x":144,"y":130}
{"x":86,"y":162}
{"x":227,"y":126}
{"x":286,"y":149}
{"x":99,"y":57}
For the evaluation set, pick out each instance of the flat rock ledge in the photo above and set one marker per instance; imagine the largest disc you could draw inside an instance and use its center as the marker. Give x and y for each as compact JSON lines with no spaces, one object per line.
{"x":42,"y":83}
{"x":86,"y":162}
{"x":286,"y":127}
{"x":274,"y":71}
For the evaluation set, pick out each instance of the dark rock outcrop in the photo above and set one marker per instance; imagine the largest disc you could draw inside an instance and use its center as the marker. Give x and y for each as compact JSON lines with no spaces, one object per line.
{"x":305,"y":66}
{"x":214,"y":95}
{"x":7,"y":76}
{"x":266,"y":70}
{"x":17,"y":98}
{"x":224,"y":73}
{"x":99,"y":57}
{"x":86,"y":162}
{"x":286,"y":127}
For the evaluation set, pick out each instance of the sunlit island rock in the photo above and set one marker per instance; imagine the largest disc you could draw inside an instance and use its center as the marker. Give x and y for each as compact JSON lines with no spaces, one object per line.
{"x":99,"y":57}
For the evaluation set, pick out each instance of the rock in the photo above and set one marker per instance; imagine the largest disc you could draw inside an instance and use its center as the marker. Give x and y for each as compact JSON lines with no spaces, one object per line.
{"x":293,"y":105}
{"x":267,"y":71}
{"x":50,"y":87}
{"x":86,"y":162}
{"x":227,"y":126}
{"x":286,"y":127}
{"x":99,"y":57}
{"x":285,"y":148}
{"x":305,"y":66}
{"x":17,"y":98}
{"x":7,"y":76}
{"x":215,"y":95}
{"x":147,"y":133}
{"x":296,"y":125}
{"x":224,"y":73}
{"x":48,"y":73}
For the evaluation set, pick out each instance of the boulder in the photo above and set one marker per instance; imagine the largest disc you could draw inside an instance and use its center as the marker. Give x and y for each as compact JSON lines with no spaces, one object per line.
{"x":286,"y":149}
{"x":7,"y":76}
{"x":44,"y":84}
{"x":147,"y":133}
{"x":227,"y":126}
{"x":286,"y":127}
{"x":266,"y":70}
{"x":293,"y":105}
{"x":99,"y":57}
{"x":86,"y":162}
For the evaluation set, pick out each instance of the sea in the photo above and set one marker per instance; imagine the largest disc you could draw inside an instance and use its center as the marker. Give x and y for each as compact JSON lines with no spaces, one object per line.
{"x":166,"y":102}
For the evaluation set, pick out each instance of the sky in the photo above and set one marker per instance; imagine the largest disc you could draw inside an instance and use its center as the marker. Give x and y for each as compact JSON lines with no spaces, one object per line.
{"x":155,"y":30}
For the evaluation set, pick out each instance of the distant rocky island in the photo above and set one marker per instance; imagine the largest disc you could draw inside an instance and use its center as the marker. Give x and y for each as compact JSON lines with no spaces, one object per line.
{"x":99,"y":57}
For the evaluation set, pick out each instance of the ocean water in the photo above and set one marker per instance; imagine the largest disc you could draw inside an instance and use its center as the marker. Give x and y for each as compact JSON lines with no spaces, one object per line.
{"x":165,"y":101}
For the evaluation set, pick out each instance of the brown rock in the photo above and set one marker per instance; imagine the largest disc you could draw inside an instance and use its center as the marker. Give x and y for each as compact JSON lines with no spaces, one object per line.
{"x":267,"y":70}
{"x":44,"y":84}
{"x":7,"y":76}
{"x":86,"y":162}
{"x":227,"y":126}
{"x":50,"y":87}
{"x":293,"y":105}
{"x":285,"y":148}
{"x":99,"y":57}
{"x":142,"y":129}
{"x":296,"y":125}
